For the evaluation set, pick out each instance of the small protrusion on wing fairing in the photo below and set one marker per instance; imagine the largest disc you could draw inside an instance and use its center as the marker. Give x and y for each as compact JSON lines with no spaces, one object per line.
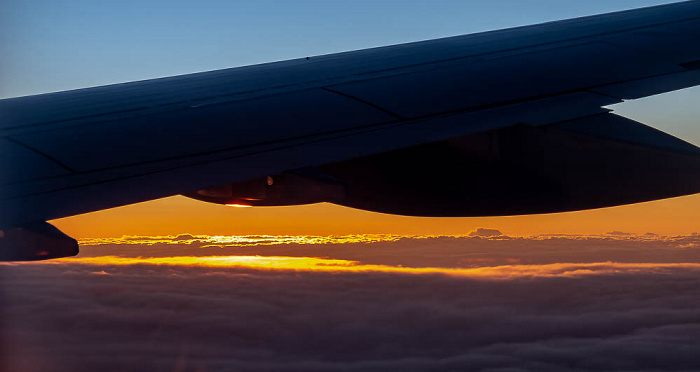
{"x":592,"y":162}
{"x":296,"y":187}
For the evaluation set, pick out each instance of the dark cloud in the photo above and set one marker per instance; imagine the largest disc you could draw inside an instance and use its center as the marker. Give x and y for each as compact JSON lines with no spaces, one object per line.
{"x":184,"y":237}
{"x":619,"y":233}
{"x":142,"y":317}
{"x":485,"y":232}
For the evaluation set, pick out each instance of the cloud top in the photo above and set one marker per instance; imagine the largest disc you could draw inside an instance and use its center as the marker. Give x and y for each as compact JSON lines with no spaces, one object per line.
{"x":414,"y":251}
{"x":73,"y":316}
{"x":368,"y":303}
{"x":313,"y":264}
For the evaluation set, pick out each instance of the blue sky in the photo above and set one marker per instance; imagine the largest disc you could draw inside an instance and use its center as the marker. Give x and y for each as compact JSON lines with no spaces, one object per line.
{"x":48,"y":45}
{"x":56,"y":45}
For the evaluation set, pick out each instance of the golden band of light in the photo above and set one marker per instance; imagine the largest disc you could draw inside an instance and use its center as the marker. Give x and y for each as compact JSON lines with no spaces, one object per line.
{"x":248,"y":240}
{"x":331,"y":265}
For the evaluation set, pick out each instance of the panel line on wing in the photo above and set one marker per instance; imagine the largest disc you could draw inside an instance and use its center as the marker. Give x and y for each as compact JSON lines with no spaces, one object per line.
{"x":529,"y":46}
{"x":341,"y":78}
{"x":538,"y":113}
{"x":389,"y":112}
{"x":40,"y":153}
{"x":600,"y":101}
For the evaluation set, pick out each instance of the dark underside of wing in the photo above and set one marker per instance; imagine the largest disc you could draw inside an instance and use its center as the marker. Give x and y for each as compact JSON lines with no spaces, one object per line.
{"x":498,"y":123}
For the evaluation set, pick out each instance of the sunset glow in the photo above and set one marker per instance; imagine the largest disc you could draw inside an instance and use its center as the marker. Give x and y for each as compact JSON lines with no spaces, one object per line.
{"x":177,"y":215}
{"x":245,"y":240}
{"x":489,"y":255}
{"x":316,"y":264}
{"x":180,"y":284}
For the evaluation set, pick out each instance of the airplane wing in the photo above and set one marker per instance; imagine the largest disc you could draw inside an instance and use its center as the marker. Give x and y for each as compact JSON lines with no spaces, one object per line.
{"x":504,"y":122}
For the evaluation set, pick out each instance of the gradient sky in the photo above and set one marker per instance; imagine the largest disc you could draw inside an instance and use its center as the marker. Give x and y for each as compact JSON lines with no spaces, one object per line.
{"x":57,"y":45}
{"x":483,"y":302}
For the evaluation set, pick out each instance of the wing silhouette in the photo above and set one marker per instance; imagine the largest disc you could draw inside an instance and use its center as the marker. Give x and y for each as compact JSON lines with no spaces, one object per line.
{"x":496,"y":123}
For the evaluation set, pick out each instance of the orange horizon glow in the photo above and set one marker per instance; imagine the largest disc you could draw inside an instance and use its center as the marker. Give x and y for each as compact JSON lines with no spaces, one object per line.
{"x":248,"y":240}
{"x":277,"y":240}
{"x":177,"y":215}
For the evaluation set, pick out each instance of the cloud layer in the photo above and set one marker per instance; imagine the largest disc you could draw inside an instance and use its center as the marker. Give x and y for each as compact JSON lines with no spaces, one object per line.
{"x":441,"y":251}
{"x":88,"y":316}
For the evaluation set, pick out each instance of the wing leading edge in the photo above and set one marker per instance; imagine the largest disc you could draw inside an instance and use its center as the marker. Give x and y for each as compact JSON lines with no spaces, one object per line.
{"x":441,"y":101}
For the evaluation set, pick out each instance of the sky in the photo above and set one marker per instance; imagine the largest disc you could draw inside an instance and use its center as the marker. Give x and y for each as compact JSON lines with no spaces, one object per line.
{"x":51,"y":46}
{"x":181,"y":285}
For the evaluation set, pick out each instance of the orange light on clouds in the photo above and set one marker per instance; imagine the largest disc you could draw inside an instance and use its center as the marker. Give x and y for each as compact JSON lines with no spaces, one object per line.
{"x":315,"y":264}
{"x":245,"y":241}
{"x":239,"y":205}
